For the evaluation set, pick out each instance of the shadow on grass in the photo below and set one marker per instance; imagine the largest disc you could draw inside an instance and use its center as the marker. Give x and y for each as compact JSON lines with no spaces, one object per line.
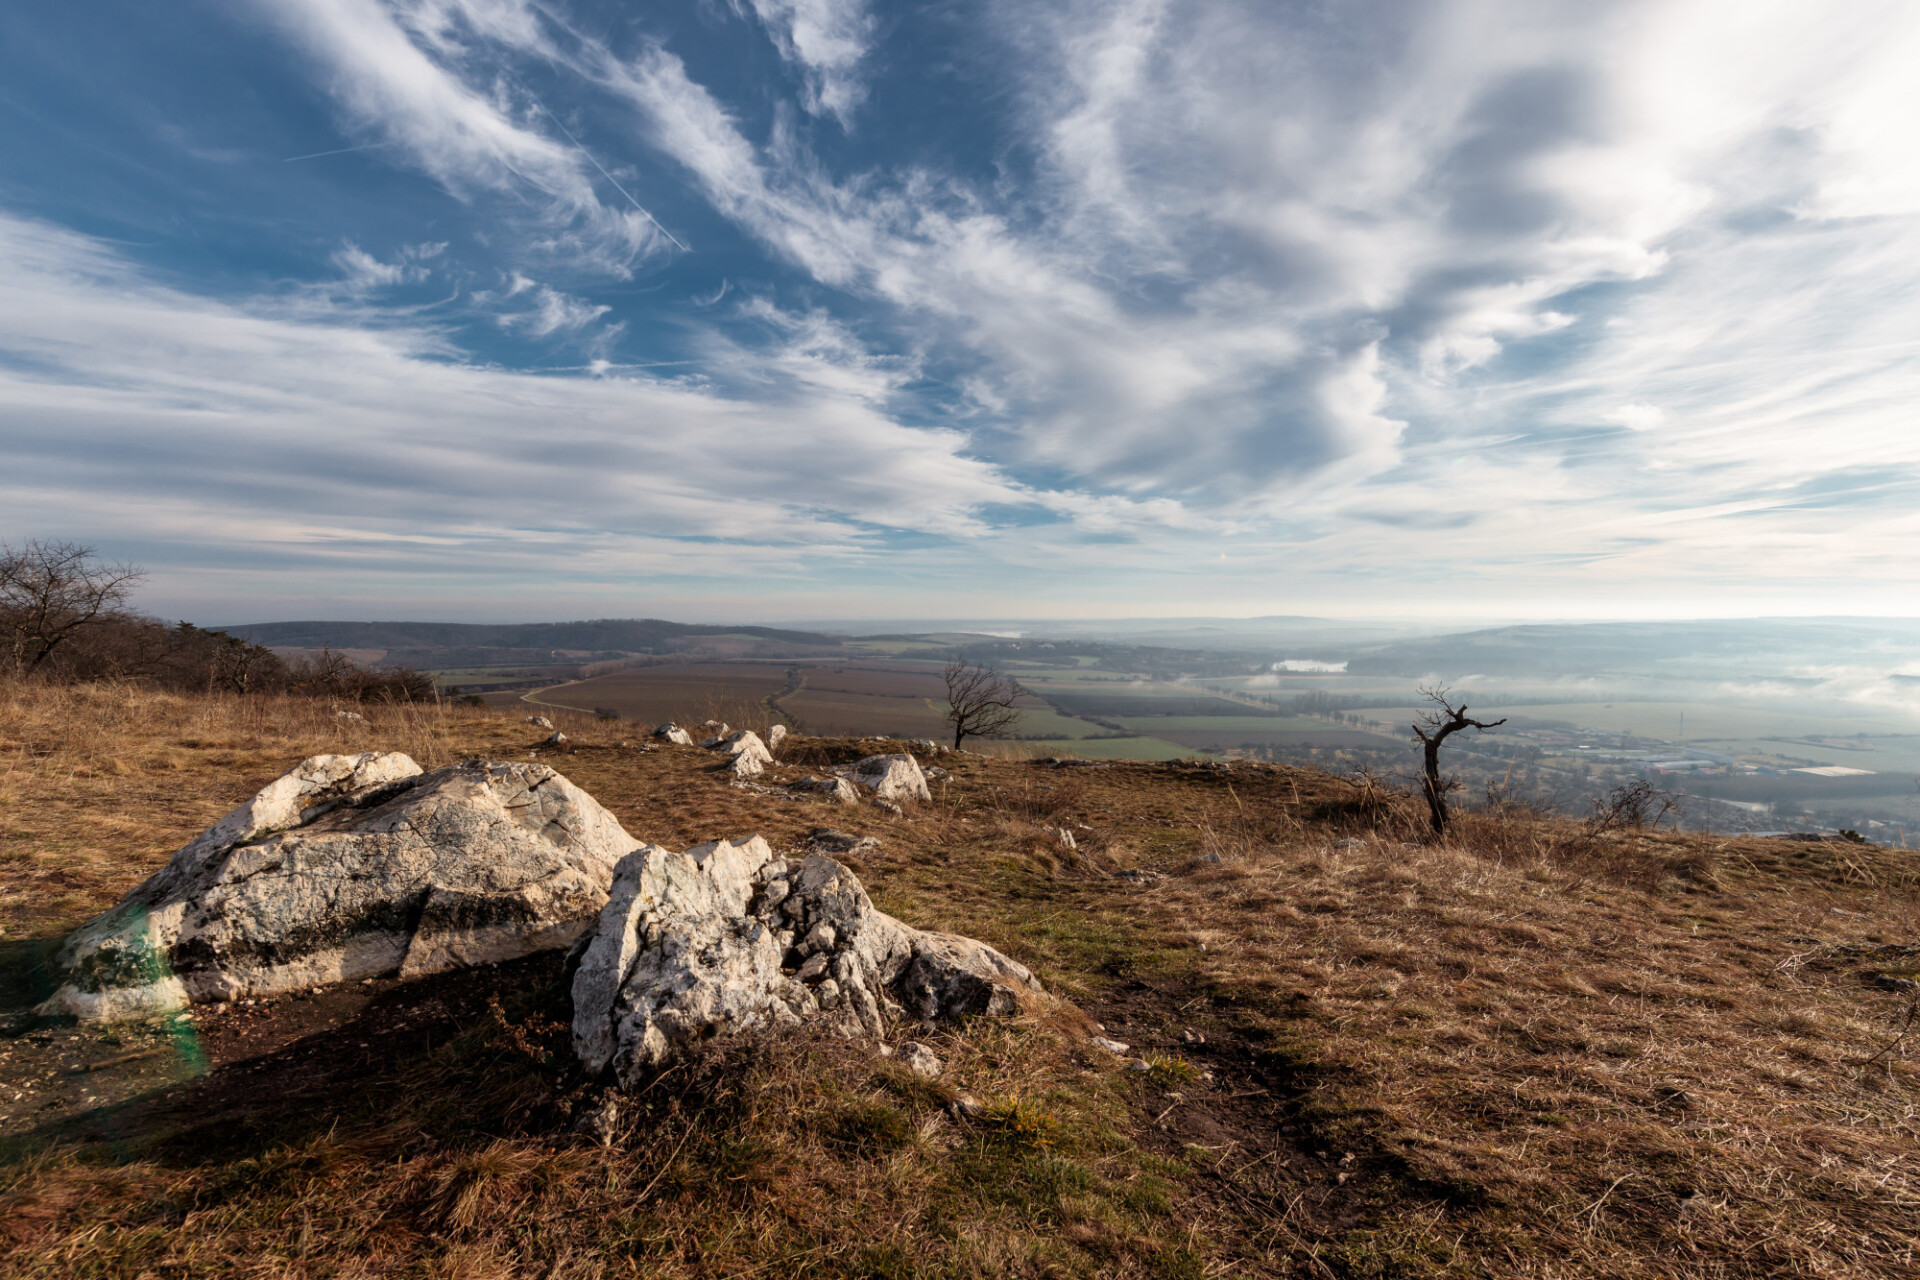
{"x":482,"y":1061}
{"x":26,"y":974}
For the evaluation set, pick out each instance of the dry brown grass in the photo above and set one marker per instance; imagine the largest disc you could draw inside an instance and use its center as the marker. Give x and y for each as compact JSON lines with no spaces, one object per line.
{"x":1529,"y":1050}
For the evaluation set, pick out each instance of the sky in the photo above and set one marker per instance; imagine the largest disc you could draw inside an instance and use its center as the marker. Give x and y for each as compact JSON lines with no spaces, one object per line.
{"x":778,"y":309}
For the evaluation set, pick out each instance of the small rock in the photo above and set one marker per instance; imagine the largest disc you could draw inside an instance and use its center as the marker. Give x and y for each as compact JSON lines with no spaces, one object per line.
{"x":1208,"y":857}
{"x":1192,"y":1037}
{"x":673,"y":733}
{"x":821,"y":937}
{"x":827,"y":840}
{"x":1139,"y":1064}
{"x":557,"y":740}
{"x":348,"y":715}
{"x":815,"y":967}
{"x":888,"y":806}
{"x":838,"y":790}
{"x":1139,"y":875}
{"x":893,"y":778}
{"x":1350,"y":843}
{"x":540,"y":722}
{"x":601,"y":1122}
{"x":921,"y":1060}
{"x":964,"y":1108}
{"x":776,"y":735}
{"x":1111,"y":1046}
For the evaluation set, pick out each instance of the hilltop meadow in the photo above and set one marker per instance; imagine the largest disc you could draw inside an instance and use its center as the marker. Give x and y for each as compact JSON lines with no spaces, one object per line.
{"x":1534,"y":1048}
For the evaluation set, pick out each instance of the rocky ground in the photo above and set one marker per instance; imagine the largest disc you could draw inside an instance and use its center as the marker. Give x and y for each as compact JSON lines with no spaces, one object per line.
{"x":1529,"y":1050}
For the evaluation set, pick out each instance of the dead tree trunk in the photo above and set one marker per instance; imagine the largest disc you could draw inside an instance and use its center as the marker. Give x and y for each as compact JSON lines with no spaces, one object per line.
{"x":1433,"y":729}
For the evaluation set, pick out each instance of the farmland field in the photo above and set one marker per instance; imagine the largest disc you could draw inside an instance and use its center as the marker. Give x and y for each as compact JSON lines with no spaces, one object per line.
{"x":686,"y":692}
{"x":1095,"y":748}
{"x":898,"y":699}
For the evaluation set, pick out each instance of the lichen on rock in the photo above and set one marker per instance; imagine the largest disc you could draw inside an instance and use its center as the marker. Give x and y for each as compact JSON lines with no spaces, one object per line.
{"x":350,"y":867}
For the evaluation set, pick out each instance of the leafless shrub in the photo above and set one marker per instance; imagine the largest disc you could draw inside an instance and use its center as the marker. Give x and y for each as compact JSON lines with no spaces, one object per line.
{"x":51,"y":592}
{"x":1633,"y":807}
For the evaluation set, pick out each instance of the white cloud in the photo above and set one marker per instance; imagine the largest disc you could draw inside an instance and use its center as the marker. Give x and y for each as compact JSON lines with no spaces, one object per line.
{"x":294,"y":429}
{"x":470,"y":137}
{"x":553,"y":312}
{"x":362,"y":272}
{"x":827,"y":40}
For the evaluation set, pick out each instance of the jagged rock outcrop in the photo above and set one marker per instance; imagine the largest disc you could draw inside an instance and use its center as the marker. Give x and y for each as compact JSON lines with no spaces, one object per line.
{"x":352,"y":867}
{"x":749,"y":755}
{"x":894,"y":778}
{"x":726,"y":937}
{"x":673,"y":733}
{"x":775,"y":736}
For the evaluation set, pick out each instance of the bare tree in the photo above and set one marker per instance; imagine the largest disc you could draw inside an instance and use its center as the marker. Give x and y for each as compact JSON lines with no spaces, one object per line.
{"x":51,"y":591}
{"x":1434,"y":728}
{"x":979,"y":701}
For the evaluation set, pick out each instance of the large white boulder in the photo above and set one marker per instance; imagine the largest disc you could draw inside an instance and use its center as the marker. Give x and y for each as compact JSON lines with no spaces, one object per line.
{"x":351,"y":867}
{"x":727,"y":937}
{"x":896,"y":778}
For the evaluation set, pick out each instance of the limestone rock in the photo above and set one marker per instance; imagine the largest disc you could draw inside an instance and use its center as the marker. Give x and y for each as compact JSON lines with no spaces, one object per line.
{"x":745,"y":743}
{"x":726,"y":937}
{"x":540,"y":722}
{"x":351,"y":867}
{"x":827,"y":840}
{"x":775,"y":735}
{"x":557,"y":740}
{"x":921,"y":1060}
{"x":838,"y":790}
{"x":674,"y":733}
{"x":896,"y":778}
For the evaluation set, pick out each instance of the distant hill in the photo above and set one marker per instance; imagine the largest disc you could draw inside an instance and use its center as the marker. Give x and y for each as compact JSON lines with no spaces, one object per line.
{"x":421,"y":642}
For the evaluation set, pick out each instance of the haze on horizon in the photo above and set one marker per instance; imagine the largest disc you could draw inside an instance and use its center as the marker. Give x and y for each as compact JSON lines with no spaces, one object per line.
{"x":767,"y":310}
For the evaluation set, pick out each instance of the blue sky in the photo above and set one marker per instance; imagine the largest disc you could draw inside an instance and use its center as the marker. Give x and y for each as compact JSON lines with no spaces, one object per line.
{"x":791,"y":308}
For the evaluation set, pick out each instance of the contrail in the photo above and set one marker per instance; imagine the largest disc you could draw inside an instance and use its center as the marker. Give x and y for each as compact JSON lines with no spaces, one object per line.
{"x":616,"y":183}
{"x":341,"y":152}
